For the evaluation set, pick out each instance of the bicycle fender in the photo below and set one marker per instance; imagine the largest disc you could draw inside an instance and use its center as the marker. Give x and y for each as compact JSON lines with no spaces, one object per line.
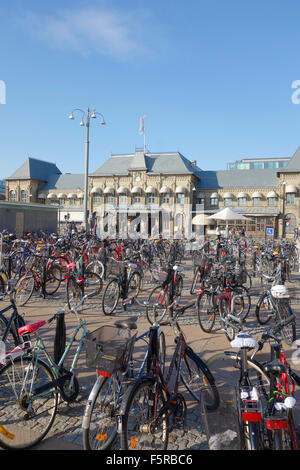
{"x":202,"y":364}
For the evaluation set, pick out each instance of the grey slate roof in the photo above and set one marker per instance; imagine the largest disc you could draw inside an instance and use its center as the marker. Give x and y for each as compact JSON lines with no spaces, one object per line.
{"x":294,"y":163}
{"x":35,"y":169}
{"x":266,"y":178}
{"x":168,"y":163}
{"x":64,"y":181}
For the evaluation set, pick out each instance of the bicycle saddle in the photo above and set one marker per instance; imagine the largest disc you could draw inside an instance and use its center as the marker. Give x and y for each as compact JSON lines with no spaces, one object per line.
{"x":243,"y":340}
{"x":178,"y":268}
{"x":129,"y":323}
{"x":274,"y":367}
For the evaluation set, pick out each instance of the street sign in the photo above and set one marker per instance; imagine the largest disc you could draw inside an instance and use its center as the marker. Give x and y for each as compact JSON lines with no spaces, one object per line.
{"x":270,"y":231}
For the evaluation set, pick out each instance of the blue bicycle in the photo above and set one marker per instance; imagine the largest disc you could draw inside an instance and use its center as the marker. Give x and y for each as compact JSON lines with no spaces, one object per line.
{"x":100,"y":426}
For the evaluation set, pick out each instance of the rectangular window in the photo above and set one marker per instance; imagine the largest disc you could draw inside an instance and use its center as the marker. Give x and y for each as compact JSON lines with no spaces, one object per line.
{"x":72,"y":201}
{"x":242,"y":201}
{"x":165,"y":198}
{"x":150,"y":198}
{"x":272,"y":201}
{"x":228,"y":201}
{"x":180,"y":198}
{"x":290,"y":198}
{"x":96,"y":198}
{"x":201,"y":200}
{"x":136,"y":199}
{"x":214,"y":201}
{"x":123,"y":199}
{"x":256,"y":201}
{"x":62,"y":202}
{"x":110,"y":199}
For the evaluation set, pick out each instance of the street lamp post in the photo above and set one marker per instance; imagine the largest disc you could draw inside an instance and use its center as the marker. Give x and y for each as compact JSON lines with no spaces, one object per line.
{"x":283,"y":208}
{"x":87,"y":116}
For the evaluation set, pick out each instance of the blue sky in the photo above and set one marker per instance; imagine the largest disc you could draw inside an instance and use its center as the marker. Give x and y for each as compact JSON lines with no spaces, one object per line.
{"x":213,"y":77}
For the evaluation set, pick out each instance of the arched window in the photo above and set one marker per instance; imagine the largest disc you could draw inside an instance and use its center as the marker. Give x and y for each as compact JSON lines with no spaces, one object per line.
{"x":289,"y":223}
{"x":12,"y":195}
{"x":23,"y":195}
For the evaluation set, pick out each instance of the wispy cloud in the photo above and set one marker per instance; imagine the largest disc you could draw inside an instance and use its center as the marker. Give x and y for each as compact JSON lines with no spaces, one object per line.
{"x":88,"y":31}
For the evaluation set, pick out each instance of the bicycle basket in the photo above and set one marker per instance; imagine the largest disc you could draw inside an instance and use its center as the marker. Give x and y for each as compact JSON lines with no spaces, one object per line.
{"x":200,"y":260}
{"x":160,"y":275}
{"x":108,"y":349}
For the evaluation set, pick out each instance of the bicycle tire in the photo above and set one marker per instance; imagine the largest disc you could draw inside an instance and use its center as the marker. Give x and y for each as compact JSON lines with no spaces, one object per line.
{"x":136,"y":432}
{"x":283,"y":312}
{"x":264,"y":309}
{"x":93,"y":283}
{"x":11,"y":339}
{"x":100,"y":415}
{"x":159,"y":303}
{"x":134,"y":285}
{"x":24,"y":290}
{"x":97,"y":267}
{"x":198,"y":380}
{"x":25,"y":421}
{"x":74,"y":292}
{"x":161,"y":350}
{"x":2,"y":285}
{"x":206,"y":310}
{"x":224,"y":309}
{"x":113,"y":287}
{"x":53,"y":278}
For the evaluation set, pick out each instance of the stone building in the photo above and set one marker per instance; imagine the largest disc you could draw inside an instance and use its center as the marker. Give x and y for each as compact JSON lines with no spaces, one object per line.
{"x":161,"y":192}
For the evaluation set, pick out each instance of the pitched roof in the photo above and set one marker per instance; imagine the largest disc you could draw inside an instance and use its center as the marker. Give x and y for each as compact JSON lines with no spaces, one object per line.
{"x":266,"y":178}
{"x":64,"y":181}
{"x":294,"y":163}
{"x":35,"y":169}
{"x":167,"y":163}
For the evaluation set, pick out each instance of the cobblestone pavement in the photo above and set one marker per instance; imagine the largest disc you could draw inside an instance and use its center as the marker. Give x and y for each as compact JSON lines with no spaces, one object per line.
{"x":66,"y":432}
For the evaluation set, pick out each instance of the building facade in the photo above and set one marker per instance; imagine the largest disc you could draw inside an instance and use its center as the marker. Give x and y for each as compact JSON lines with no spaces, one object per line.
{"x":152,"y":193}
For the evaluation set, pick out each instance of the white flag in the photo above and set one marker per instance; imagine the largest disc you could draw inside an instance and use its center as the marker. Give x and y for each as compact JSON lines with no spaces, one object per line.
{"x":142,"y":125}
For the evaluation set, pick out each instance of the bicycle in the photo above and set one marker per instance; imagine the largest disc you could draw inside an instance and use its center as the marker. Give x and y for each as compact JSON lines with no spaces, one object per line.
{"x":103,"y":405}
{"x":31,"y":384}
{"x":126,"y":286}
{"x":151,"y":401}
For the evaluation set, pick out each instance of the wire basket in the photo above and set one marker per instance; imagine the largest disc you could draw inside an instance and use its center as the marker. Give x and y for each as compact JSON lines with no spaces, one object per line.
{"x":160,"y":275}
{"x":108,"y":349}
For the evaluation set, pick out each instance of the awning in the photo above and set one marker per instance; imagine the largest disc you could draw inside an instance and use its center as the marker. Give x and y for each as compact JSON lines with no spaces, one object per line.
{"x":150,"y":189}
{"x":109,"y":190}
{"x":165,"y":190}
{"x":136,"y":190}
{"x":96,"y":190}
{"x":61,"y":196}
{"x":256,"y":194}
{"x":291,"y":188}
{"x":80,"y":195}
{"x":121,"y":190}
{"x":51,"y":196}
{"x":214,"y":195}
{"x":180,"y":190}
{"x":240,"y":195}
{"x":72,"y":195}
{"x":228,"y":195}
{"x":42,"y":196}
{"x":272,"y":194}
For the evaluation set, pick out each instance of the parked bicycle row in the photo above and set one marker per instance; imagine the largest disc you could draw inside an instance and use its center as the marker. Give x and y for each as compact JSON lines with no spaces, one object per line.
{"x":137,"y":399}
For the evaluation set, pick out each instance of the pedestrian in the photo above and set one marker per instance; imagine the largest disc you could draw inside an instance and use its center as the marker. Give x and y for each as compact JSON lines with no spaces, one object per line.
{"x":218,"y":232}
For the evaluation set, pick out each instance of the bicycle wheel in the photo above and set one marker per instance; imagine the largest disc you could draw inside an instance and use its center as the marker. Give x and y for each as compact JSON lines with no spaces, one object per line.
{"x":24,"y":289}
{"x":100,"y":415}
{"x":225,"y":368}
{"x":141,"y":408}
{"x":242,"y":302}
{"x":197,"y":278}
{"x":2,"y":285}
{"x":93,"y":284}
{"x":53,"y":278}
{"x":206,"y":310}
{"x":161,"y":350}
{"x":264,"y":309}
{"x":96,"y":267}
{"x":198,"y":379}
{"x":74,"y":292}
{"x":224,"y":310}
{"x":25,"y":418}
{"x":159,"y":301}
{"x":134,"y":285}
{"x":283,"y":312}
{"x":11,"y":339}
{"x":110,"y":297}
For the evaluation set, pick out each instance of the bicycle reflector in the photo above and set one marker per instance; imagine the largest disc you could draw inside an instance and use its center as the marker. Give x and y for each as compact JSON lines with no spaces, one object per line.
{"x":251,"y":416}
{"x":103,"y":374}
{"x":273,"y":422}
